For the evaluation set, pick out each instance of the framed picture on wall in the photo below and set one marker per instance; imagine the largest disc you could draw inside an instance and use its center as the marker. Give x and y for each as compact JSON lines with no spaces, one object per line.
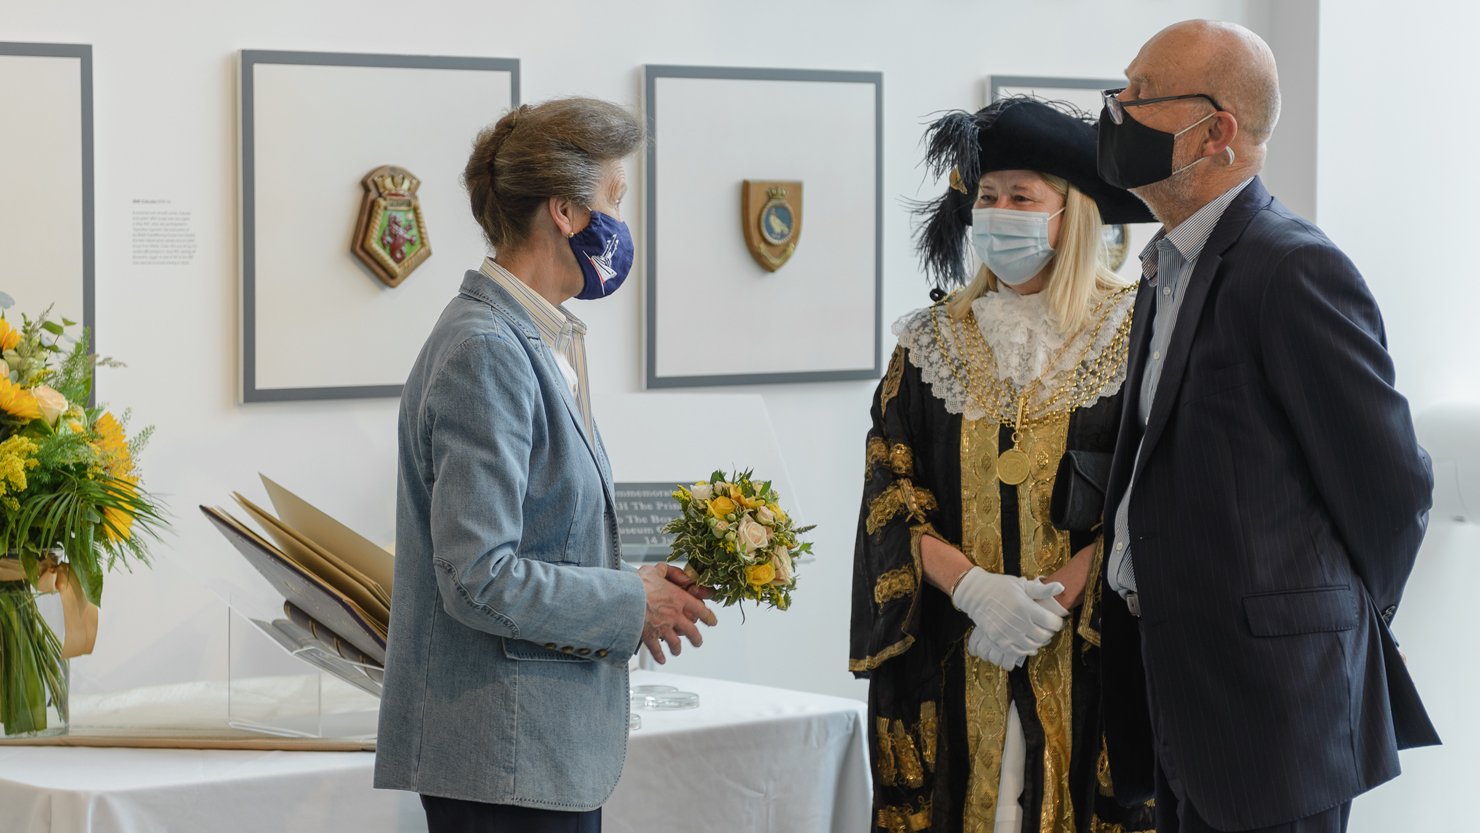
{"x":355,"y":226}
{"x":1084,"y":94}
{"x":47,"y":210}
{"x":763,"y":219}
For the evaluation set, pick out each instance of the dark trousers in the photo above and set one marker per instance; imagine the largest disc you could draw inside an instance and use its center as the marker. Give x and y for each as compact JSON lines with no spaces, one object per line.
{"x":452,"y":815}
{"x":1175,"y":816}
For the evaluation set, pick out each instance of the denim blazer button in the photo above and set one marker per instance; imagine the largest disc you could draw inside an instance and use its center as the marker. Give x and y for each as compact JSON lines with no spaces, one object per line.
{"x":583,"y":651}
{"x":601,"y":653}
{"x":550,"y":645}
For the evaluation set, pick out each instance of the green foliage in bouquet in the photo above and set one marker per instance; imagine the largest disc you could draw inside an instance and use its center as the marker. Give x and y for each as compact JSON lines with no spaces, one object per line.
{"x":69,"y":479}
{"x":736,"y":539}
{"x":69,"y":485}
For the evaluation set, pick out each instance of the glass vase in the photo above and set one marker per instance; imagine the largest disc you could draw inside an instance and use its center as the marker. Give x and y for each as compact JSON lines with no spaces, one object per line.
{"x":33,"y":676}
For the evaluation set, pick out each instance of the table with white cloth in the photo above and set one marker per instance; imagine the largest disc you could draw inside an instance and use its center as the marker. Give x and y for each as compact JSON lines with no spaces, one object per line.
{"x":750,"y":758}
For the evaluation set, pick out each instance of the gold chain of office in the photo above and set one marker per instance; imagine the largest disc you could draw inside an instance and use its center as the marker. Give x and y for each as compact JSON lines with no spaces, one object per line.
{"x":1003,"y":402}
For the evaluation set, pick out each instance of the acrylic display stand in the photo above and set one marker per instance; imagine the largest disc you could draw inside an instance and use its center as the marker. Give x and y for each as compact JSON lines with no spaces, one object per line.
{"x":279,"y":682}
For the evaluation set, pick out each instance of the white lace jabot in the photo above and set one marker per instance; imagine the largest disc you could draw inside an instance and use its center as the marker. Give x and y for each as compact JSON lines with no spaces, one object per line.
{"x":1024,"y":337}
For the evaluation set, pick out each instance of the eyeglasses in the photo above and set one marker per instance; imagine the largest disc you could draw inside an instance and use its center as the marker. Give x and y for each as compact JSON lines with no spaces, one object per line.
{"x":1116,"y":108}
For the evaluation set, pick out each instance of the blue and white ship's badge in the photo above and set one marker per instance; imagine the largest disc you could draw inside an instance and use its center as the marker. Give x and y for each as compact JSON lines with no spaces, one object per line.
{"x":771,"y":213}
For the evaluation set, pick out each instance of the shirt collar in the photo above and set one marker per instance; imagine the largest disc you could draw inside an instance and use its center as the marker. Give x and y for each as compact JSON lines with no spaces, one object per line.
{"x":1191,"y":235}
{"x":549,"y":319}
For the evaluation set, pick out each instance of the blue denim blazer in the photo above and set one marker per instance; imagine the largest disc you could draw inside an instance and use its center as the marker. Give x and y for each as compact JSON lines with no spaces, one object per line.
{"x":513,"y":617}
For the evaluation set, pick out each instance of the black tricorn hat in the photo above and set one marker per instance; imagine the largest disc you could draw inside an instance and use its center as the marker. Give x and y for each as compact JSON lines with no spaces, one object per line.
{"x":1017,"y":133}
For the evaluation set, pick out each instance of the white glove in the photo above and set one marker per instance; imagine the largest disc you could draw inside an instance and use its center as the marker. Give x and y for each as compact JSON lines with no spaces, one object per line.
{"x":1048,"y":602}
{"x":979,"y":646}
{"x":1011,"y":622}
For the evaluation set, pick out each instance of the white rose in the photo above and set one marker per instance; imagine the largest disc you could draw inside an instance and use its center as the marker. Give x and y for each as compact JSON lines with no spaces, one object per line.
{"x":52,"y":404}
{"x":720,"y":528}
{"x":753,"y":536}
{"x":701,"y":491}
{"x":765,"y":516}
{"x":781,"y":560}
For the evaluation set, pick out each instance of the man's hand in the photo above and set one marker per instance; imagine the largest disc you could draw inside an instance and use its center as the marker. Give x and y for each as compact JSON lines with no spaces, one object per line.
{"x":673,"y":609}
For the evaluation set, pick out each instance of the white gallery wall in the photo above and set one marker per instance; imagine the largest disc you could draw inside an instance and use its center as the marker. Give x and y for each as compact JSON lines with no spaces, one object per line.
{"x":1390,"y":112}
{"x":1395,"y":187}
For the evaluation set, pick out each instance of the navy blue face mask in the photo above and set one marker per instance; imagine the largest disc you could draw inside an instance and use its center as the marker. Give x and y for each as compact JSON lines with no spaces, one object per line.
{"x":604,"y":250}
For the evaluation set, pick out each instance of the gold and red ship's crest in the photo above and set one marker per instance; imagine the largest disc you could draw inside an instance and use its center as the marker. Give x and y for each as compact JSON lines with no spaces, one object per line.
{"x":391,"y":236}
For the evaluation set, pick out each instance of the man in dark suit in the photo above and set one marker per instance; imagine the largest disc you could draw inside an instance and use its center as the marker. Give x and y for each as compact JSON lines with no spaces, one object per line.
{"x":1268,"y":496}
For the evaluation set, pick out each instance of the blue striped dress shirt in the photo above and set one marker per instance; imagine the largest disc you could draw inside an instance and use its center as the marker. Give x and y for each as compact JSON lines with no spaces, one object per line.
{"x":1166,"y":263}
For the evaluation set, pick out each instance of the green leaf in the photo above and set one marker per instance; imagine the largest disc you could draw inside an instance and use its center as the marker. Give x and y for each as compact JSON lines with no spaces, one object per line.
{"x":52,"y":327}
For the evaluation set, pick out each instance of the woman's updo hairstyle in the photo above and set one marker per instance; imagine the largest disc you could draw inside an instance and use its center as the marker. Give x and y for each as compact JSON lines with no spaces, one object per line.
{"x":555,"y":149}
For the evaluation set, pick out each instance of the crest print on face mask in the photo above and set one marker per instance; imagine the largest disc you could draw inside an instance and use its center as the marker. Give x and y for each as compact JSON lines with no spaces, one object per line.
{"x":604,"y":251}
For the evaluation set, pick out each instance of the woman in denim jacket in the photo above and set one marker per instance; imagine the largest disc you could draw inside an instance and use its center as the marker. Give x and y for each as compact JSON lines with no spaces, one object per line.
{"x":505,"y":702}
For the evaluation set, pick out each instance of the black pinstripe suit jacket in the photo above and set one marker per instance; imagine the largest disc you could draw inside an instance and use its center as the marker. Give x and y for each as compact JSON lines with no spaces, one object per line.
{"x":1280,"y":504}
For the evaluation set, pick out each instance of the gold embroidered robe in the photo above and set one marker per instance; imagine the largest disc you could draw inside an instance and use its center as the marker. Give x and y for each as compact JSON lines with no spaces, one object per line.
{"x":938,"y":716}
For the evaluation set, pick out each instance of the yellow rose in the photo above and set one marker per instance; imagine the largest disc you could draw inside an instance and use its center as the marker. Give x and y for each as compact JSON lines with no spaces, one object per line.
{"x":52,"y":404}
{"x":760,"y":575}
{"x":721,"y":506}
{"x":781,"y":517}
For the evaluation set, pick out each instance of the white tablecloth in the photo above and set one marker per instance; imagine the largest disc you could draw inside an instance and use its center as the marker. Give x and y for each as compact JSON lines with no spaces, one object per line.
{"x":748,"y":759}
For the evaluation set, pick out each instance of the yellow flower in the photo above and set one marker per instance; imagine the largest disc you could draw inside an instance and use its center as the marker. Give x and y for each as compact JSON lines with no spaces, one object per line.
{"x":112,"y":446}
{"x":17,"y":401}
{"x":118,"y":522}
{"x":16,"y":458}
{"x":9,"y":336}
{"x":760,"y":575}
{"x":781,"y":517}
{"x":721,"y":506}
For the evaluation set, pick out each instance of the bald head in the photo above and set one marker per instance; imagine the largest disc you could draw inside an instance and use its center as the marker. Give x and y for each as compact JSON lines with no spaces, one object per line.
{"x":1224,"y":60}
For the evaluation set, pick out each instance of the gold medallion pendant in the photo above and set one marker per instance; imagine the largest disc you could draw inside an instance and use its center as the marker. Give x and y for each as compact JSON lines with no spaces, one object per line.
{"x":1013,"y":466}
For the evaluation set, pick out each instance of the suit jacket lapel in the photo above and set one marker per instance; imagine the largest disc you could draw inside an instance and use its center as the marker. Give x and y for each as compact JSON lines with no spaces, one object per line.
{"x":1130,"y":414}
{"x":476,"y":285}
{"x":1199,"y":284}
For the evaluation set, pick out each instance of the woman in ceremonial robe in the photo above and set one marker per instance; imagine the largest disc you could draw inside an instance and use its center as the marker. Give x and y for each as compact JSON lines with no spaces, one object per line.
{"x":974,"y":616}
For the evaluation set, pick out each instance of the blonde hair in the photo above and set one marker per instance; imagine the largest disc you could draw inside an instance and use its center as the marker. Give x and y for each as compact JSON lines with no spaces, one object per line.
{"x":1080,"y":274}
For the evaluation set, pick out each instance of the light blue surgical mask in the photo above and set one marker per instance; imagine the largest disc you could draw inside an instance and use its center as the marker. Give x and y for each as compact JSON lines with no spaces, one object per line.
{"x":1013,"y":244}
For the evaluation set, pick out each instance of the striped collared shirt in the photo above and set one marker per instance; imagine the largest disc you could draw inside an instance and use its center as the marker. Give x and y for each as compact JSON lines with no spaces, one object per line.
{"x":562,"y":332}
{"x":1166,"y":264}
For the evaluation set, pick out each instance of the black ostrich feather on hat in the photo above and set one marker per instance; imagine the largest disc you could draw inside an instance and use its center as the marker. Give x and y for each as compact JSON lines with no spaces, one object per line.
{"x":1016,"y":133}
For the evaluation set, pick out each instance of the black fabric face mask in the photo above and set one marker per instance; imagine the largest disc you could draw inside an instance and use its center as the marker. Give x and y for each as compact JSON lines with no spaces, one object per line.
{"x":1132,"y":154}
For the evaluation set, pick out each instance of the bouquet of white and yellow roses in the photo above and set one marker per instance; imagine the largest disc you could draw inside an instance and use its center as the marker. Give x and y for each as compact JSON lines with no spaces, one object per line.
{"x":71,"y":507}
{"x":737,"y":540}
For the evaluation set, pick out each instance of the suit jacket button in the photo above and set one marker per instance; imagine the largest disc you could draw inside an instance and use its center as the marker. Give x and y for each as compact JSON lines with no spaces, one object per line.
{"x":565,"y":649}
{"x":583,"y":651}
{"x":601,"y":653}
{"x":550,"y":645}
